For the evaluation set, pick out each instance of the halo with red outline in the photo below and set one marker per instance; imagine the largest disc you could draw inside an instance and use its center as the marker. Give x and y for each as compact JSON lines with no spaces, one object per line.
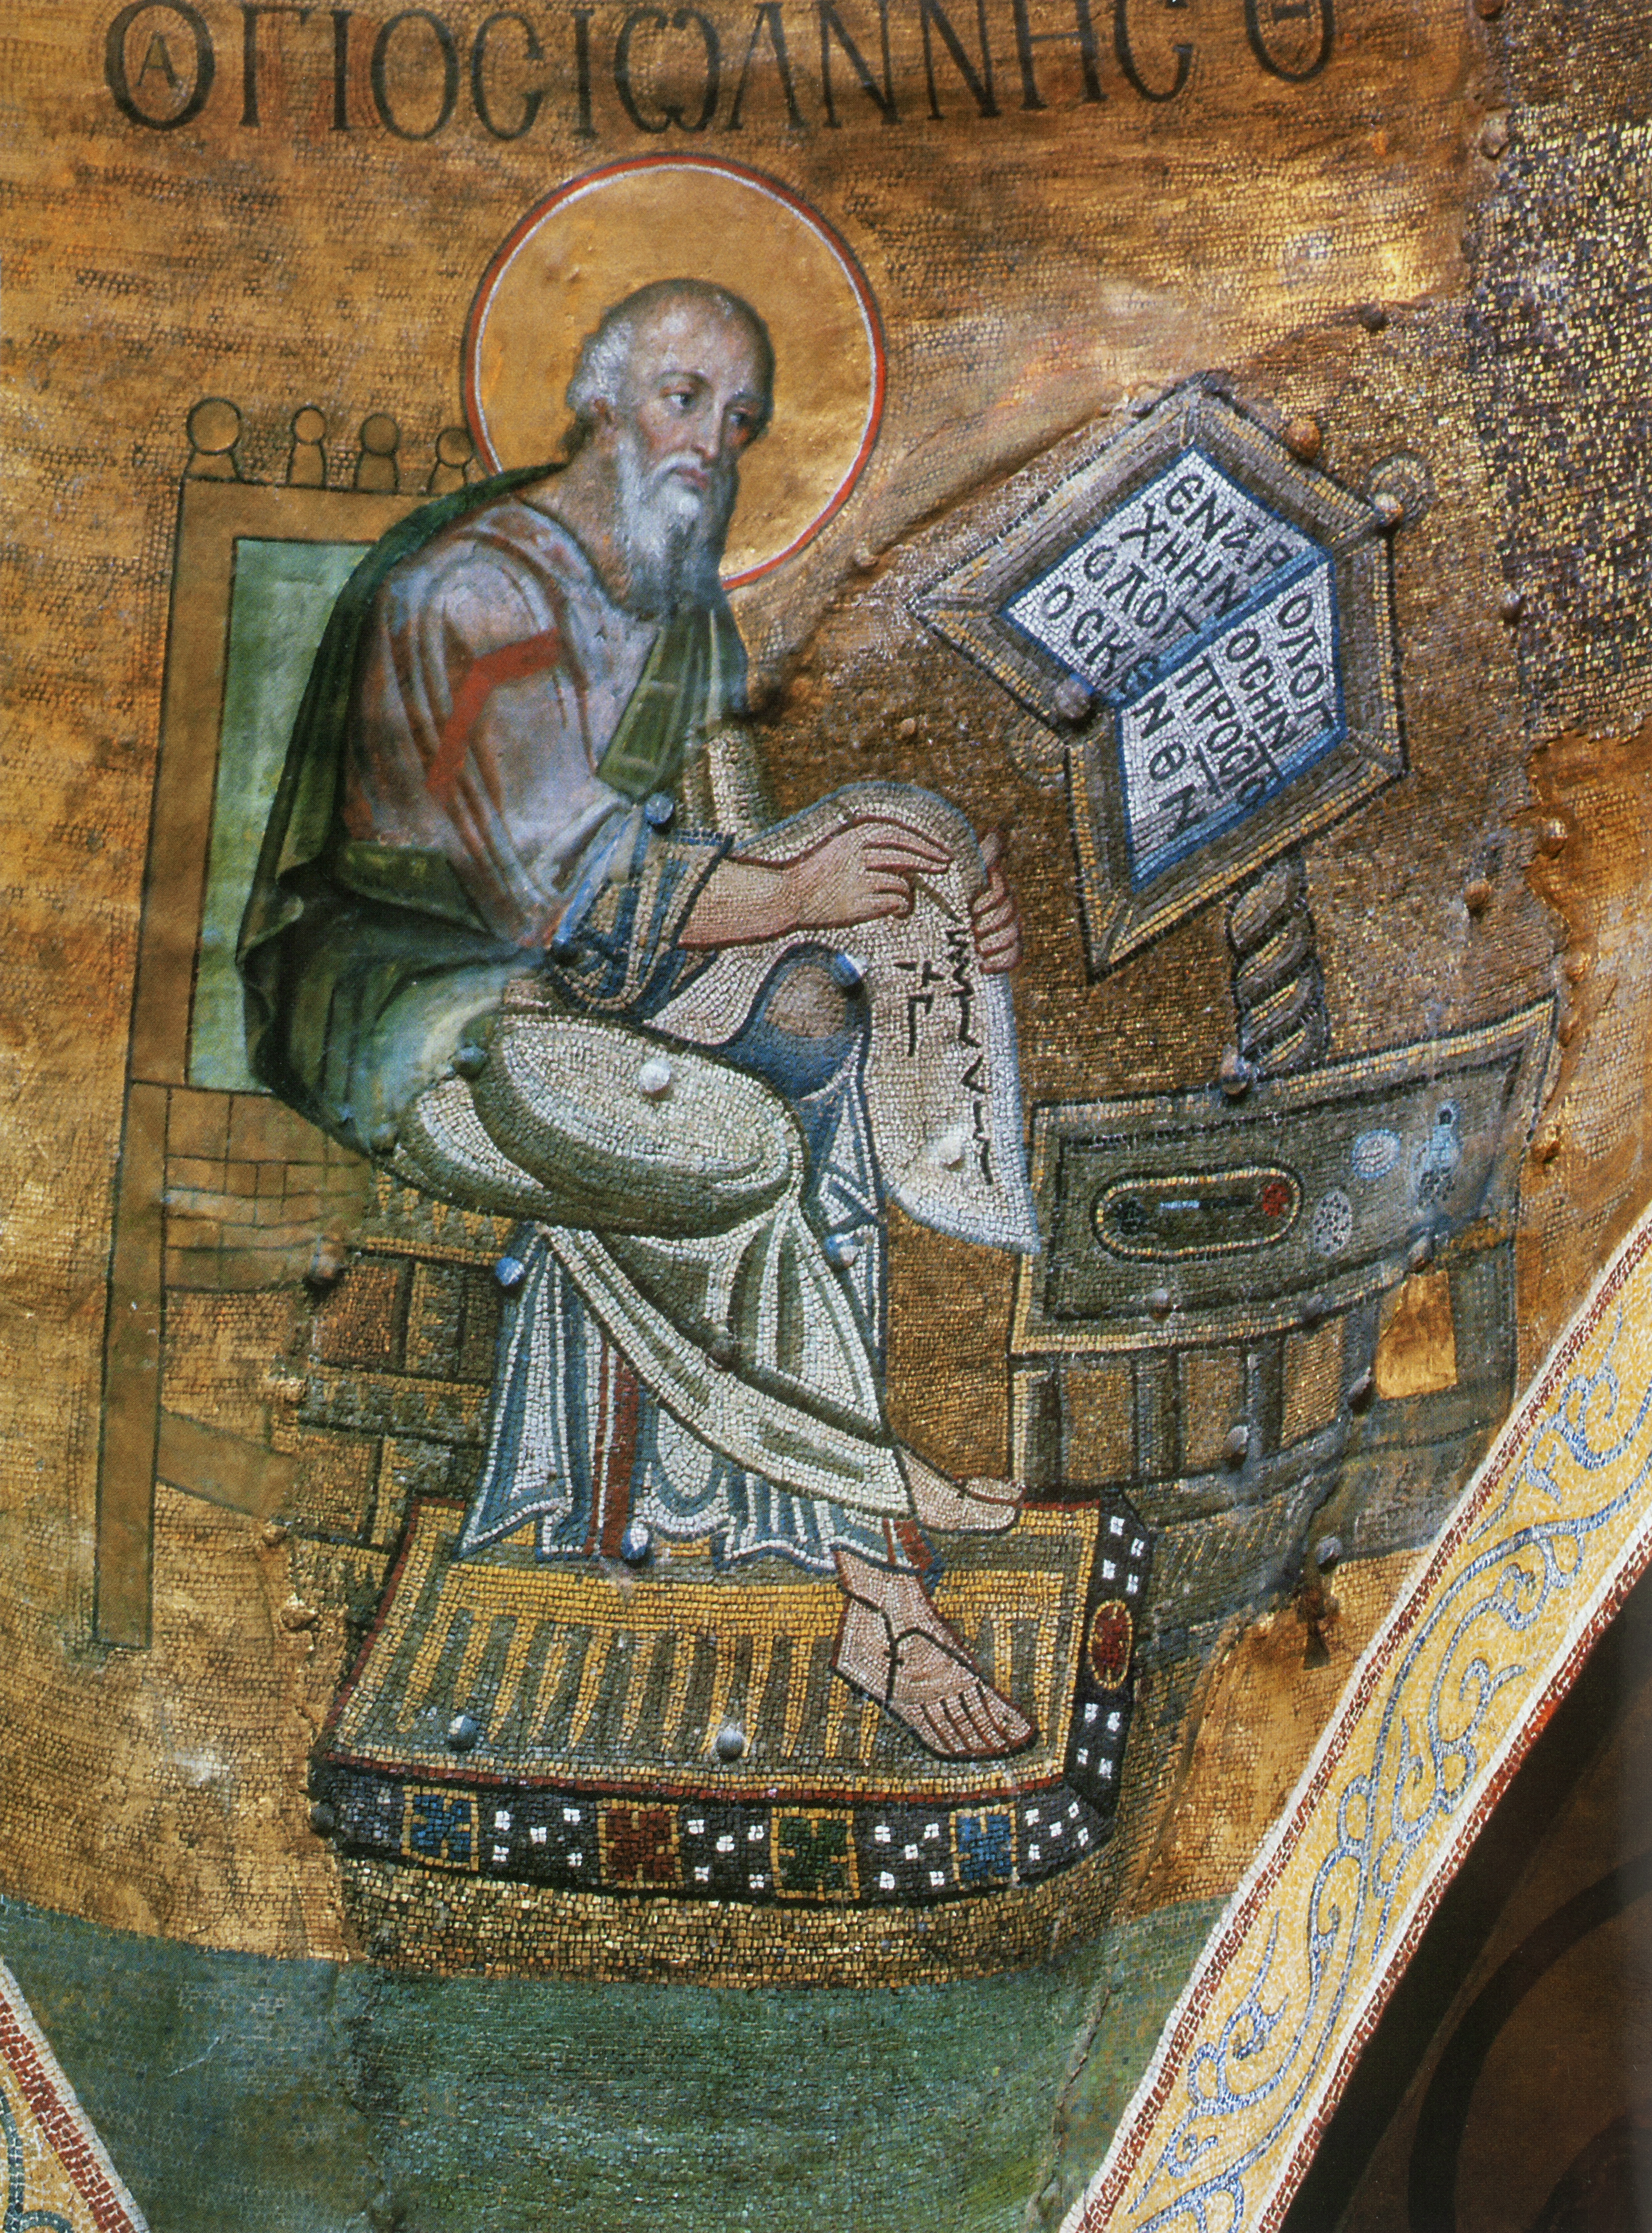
{"x":738,"y":173}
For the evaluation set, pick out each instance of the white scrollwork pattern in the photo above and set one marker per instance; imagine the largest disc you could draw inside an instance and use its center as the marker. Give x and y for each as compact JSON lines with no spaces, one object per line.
{"x":1438,"y":1730}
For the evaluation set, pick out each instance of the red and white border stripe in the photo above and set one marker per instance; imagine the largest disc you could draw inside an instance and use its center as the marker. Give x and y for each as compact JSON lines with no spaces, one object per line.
{"x":42,"y":2097}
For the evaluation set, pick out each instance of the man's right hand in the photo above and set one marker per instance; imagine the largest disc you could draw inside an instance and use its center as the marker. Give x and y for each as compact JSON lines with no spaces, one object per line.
{"x":860,"y":874}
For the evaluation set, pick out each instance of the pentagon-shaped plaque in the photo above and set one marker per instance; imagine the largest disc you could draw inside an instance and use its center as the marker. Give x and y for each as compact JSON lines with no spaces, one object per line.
{"x":1210,"y":621}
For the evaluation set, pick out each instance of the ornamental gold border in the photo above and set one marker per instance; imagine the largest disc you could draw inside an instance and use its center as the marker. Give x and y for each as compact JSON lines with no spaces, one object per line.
{"x":1488,"y":1634}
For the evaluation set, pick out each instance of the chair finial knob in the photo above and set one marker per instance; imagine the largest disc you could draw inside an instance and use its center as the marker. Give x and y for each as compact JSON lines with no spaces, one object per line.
{"x":214,"y":429}
{"x":306,"y":459}
{"x":375,"y":468}
{"x":454,"y":449}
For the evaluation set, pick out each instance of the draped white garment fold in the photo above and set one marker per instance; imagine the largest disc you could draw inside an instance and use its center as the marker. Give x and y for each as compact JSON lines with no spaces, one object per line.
{"x":716,"y":1209}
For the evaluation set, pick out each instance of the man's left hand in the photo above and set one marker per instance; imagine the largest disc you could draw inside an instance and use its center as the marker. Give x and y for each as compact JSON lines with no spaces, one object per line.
{"x":996,"y":918}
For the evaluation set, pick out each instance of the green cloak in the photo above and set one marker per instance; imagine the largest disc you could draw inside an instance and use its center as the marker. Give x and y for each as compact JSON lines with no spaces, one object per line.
{"x":337,"y":930}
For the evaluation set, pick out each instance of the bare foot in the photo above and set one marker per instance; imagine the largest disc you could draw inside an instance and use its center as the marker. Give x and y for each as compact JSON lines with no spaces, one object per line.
{"x":976,"y":1507}
{"x":896,"y":1647}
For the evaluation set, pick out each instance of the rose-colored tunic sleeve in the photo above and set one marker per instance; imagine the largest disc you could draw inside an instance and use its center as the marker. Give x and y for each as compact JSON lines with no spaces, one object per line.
{"x":495,"y":670}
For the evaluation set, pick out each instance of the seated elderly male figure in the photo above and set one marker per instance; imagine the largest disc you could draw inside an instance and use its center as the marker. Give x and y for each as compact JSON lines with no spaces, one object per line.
{"x":485,"y":873}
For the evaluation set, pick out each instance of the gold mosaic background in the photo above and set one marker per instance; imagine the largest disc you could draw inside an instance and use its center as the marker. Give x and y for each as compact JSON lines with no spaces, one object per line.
{"x":1040,"y":273}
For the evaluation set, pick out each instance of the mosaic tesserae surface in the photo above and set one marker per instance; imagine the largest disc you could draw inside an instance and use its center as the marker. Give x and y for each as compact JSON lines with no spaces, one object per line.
{"x":826,"y":1041}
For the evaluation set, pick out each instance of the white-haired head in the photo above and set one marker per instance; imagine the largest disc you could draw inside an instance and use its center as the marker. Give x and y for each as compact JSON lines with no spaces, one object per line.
{"x":603,"y":372}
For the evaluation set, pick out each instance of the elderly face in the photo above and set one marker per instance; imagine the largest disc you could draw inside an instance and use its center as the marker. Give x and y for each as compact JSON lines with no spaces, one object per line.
{"x":691,"y":400}
{"x":697,"y":399}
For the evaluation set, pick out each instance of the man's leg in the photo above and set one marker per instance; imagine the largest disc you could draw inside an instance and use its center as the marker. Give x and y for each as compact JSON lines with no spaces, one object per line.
{"x":520,"y":1132}
{"x":806,"y":1038}
{"x":895,"y":1646}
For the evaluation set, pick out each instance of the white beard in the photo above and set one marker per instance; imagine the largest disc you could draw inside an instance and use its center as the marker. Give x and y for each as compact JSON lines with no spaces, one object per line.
{"x":669,"y":535}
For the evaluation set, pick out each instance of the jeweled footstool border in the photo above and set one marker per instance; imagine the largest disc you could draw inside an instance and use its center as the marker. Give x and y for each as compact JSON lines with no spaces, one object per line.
{"x":873,"y":1853}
